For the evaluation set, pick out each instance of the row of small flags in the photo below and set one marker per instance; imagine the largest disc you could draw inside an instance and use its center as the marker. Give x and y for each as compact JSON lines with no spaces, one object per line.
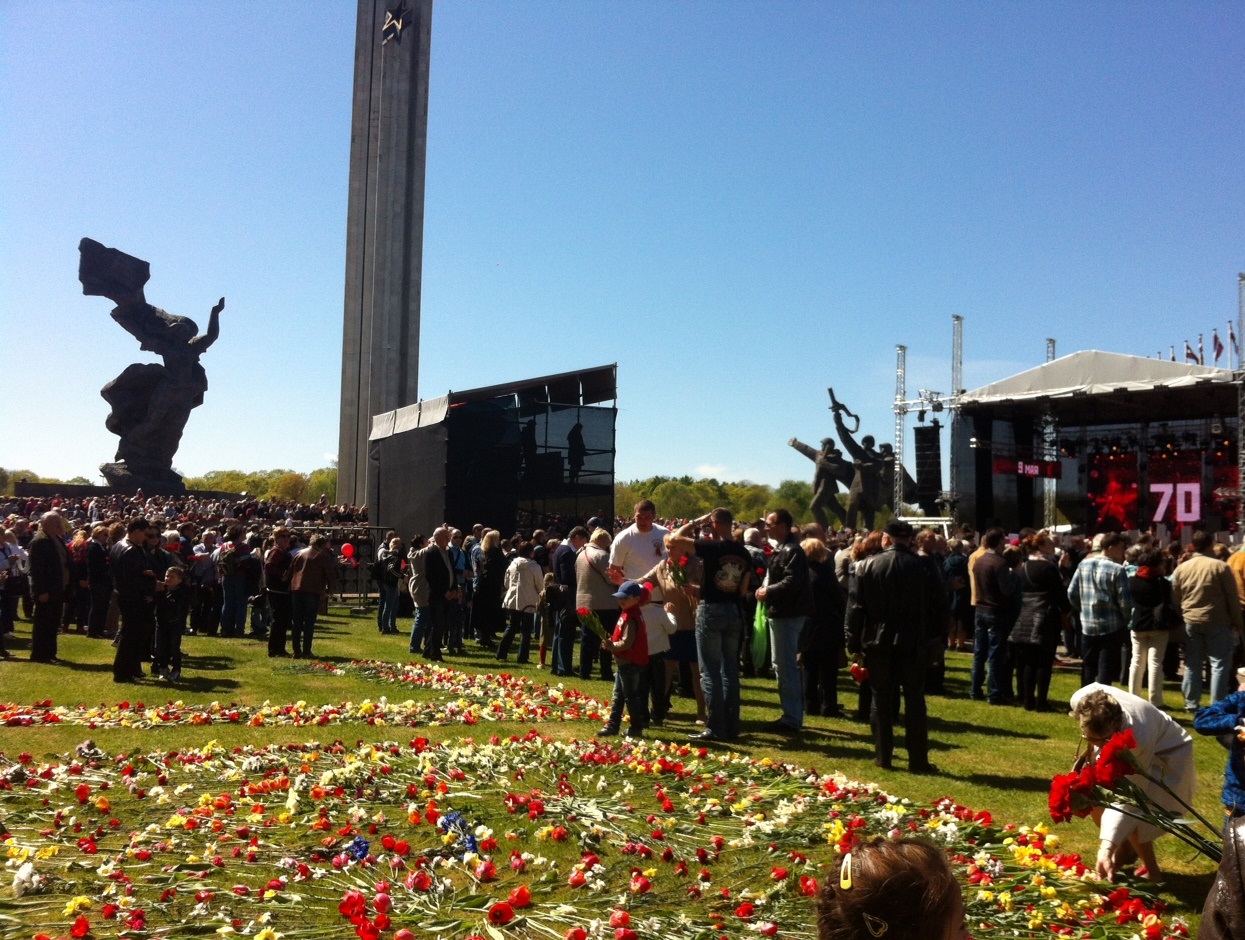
{"x":1198,"y":356}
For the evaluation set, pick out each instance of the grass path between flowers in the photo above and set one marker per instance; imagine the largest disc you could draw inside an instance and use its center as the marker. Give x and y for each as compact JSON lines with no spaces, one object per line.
{"x":996,"y":759}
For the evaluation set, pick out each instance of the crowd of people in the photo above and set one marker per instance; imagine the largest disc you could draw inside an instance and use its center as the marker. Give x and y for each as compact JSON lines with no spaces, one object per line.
{"x":173,"y":511}
{"x":687,"y":608}
{"x":144,"y":583}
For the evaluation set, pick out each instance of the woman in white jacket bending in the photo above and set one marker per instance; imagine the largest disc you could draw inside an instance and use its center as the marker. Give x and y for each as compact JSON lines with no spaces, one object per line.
{"x":522,"y":585}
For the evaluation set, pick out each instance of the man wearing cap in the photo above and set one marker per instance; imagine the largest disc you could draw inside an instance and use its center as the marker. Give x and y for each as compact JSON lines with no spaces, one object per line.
{"x":888,"y":613}
{"x":629,"y":644}
{"x":1099,"y":592}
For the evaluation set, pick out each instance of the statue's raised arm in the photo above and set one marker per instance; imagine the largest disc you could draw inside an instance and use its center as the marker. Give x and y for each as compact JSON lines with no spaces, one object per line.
{"x":849,"y":442}
{"x":200,"y":344}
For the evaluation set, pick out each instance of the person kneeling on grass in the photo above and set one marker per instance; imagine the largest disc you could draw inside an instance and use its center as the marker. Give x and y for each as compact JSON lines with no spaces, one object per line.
{"x":1164,"y":752}
{"x":629,"y":644}
{"x":901,"y":890}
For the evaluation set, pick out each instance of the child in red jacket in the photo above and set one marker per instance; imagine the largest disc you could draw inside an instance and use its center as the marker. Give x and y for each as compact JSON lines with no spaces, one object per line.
{"x":629,"y":644}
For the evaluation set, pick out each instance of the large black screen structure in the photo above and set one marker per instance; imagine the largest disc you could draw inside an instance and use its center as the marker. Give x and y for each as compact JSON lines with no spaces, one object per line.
{"x":537,"y":453}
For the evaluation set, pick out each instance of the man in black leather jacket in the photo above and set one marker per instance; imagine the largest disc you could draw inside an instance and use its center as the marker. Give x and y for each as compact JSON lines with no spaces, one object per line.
{"x":788,"y":596}
{"x":888,"y":614}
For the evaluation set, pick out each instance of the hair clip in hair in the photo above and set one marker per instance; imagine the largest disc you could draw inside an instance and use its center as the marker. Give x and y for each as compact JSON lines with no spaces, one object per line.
{"x":845,"y":873}
{"x":876,"y":926}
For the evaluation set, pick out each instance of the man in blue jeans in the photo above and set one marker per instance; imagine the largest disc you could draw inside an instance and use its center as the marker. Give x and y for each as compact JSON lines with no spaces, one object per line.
{"x":993,"y":585}
{"x":719,"y":624}
{"x":788,"y":598}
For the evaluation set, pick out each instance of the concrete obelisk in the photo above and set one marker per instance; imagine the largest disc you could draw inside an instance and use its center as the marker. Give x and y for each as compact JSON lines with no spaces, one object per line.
{"x":384,"y":229}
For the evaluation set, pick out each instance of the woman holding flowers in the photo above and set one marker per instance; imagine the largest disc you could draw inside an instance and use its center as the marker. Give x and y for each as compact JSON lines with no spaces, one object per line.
{"x":1160,"y":765}
{"x":677,"y":578}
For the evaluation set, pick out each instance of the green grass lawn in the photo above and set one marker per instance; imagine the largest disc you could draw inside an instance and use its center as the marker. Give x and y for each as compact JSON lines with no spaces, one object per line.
{"x":996,"y":759}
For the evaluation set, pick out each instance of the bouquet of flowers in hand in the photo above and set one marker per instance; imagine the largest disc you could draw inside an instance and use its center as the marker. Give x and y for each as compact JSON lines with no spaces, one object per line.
{"x":859,"y":673}
{"x":678,"y":570}
{"x":592,"y":622}
{"x":1105,"y":782}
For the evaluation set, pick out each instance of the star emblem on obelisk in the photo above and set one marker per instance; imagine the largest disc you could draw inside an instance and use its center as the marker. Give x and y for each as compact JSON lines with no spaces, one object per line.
{"x":392,"y":27}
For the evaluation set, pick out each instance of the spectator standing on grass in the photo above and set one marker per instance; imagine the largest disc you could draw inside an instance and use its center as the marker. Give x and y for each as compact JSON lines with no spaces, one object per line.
{"x":1204,"y":589}
{"x":633,"y":553}
{"x":595,"y":591}
{"x":313,"y":575}
{"x":788,"y":600}
{"x":523,"y":583}
{"x":1100,"y":594}
{"x":99,"y":582}
{"x":172,"y":605}
{"x":888,"y":610}
{"x":1154,"y":619}
{"x":205,"y":594}
{"x":1043,"y":605}
{"x":994,"y":585}
{"x":389,"y":560}
{"x":277,"y":563}
{"x":433,"y":588}
{"x":726,"y":571}
{"x":821,"y":642}
{"x":232,"y":582}
{"x":49,"y":584}
{"x":960,"y":595}
{"x":134,"y":576}
{"x":566,"y":623}
{"x":1226,"y":719}
{"x":629,"y":645}
{"x":486,"y":611}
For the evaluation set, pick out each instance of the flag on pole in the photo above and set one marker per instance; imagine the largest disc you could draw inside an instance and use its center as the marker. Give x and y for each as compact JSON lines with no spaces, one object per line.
{"x":1189,"y":354}
{"x":1173,"y":353}
{"x":1201,"y":351}
{"x":1217,"y":346}
{"x":1236,"y":349}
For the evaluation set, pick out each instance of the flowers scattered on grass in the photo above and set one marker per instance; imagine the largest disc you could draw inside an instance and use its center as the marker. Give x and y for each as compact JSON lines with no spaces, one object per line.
{"x":520,"y":837}
{"x":458,"y":697}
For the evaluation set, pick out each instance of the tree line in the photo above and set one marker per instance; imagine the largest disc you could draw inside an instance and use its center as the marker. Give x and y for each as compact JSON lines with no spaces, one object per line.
{"x":685,"y":498}
{"x":284,"y":485}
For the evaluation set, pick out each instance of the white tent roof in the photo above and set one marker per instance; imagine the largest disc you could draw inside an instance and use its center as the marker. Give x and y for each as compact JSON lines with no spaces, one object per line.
{"x":1096,"y":373}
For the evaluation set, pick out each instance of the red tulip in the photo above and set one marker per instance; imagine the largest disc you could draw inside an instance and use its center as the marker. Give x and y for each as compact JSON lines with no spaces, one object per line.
{"x":500,"y":913}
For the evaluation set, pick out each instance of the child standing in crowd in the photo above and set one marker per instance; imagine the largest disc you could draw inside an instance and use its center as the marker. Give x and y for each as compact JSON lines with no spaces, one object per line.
{"x":172,"y":605}
{"x":1226,"y":718}
{"x":629,"y":644}
{"x":546,"y":610}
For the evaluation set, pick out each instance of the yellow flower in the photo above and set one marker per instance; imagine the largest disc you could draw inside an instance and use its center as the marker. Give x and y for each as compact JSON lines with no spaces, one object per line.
{"x":985,"y":896}
{"x":268,"y":934}
{"x":80,"y":903}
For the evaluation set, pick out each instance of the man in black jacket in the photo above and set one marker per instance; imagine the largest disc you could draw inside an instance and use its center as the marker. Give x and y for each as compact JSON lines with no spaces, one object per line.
{"x":888,"y":616}
{"x":788,"y":597}
{"x":49,"y":583}
{"x":99,"y":581}
{"x":134,"y":575}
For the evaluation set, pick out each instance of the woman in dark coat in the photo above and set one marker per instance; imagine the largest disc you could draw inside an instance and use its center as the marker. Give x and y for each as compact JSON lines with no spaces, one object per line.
{"x":1043,"y":605}
{"x":821,"y":640}
{"x":486,"y":612}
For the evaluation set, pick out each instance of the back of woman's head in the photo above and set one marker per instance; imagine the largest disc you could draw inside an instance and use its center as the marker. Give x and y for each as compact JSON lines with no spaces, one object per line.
{"x":870,"y":545}
{"x":900,"y":890}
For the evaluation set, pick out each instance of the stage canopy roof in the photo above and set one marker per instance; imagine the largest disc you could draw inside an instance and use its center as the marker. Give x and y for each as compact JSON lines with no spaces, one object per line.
{"x":1094,"y":387}
{"x":582,"y":387}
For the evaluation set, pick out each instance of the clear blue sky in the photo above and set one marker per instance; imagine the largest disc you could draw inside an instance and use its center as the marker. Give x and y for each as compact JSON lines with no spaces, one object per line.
{"x":742,"y":203}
